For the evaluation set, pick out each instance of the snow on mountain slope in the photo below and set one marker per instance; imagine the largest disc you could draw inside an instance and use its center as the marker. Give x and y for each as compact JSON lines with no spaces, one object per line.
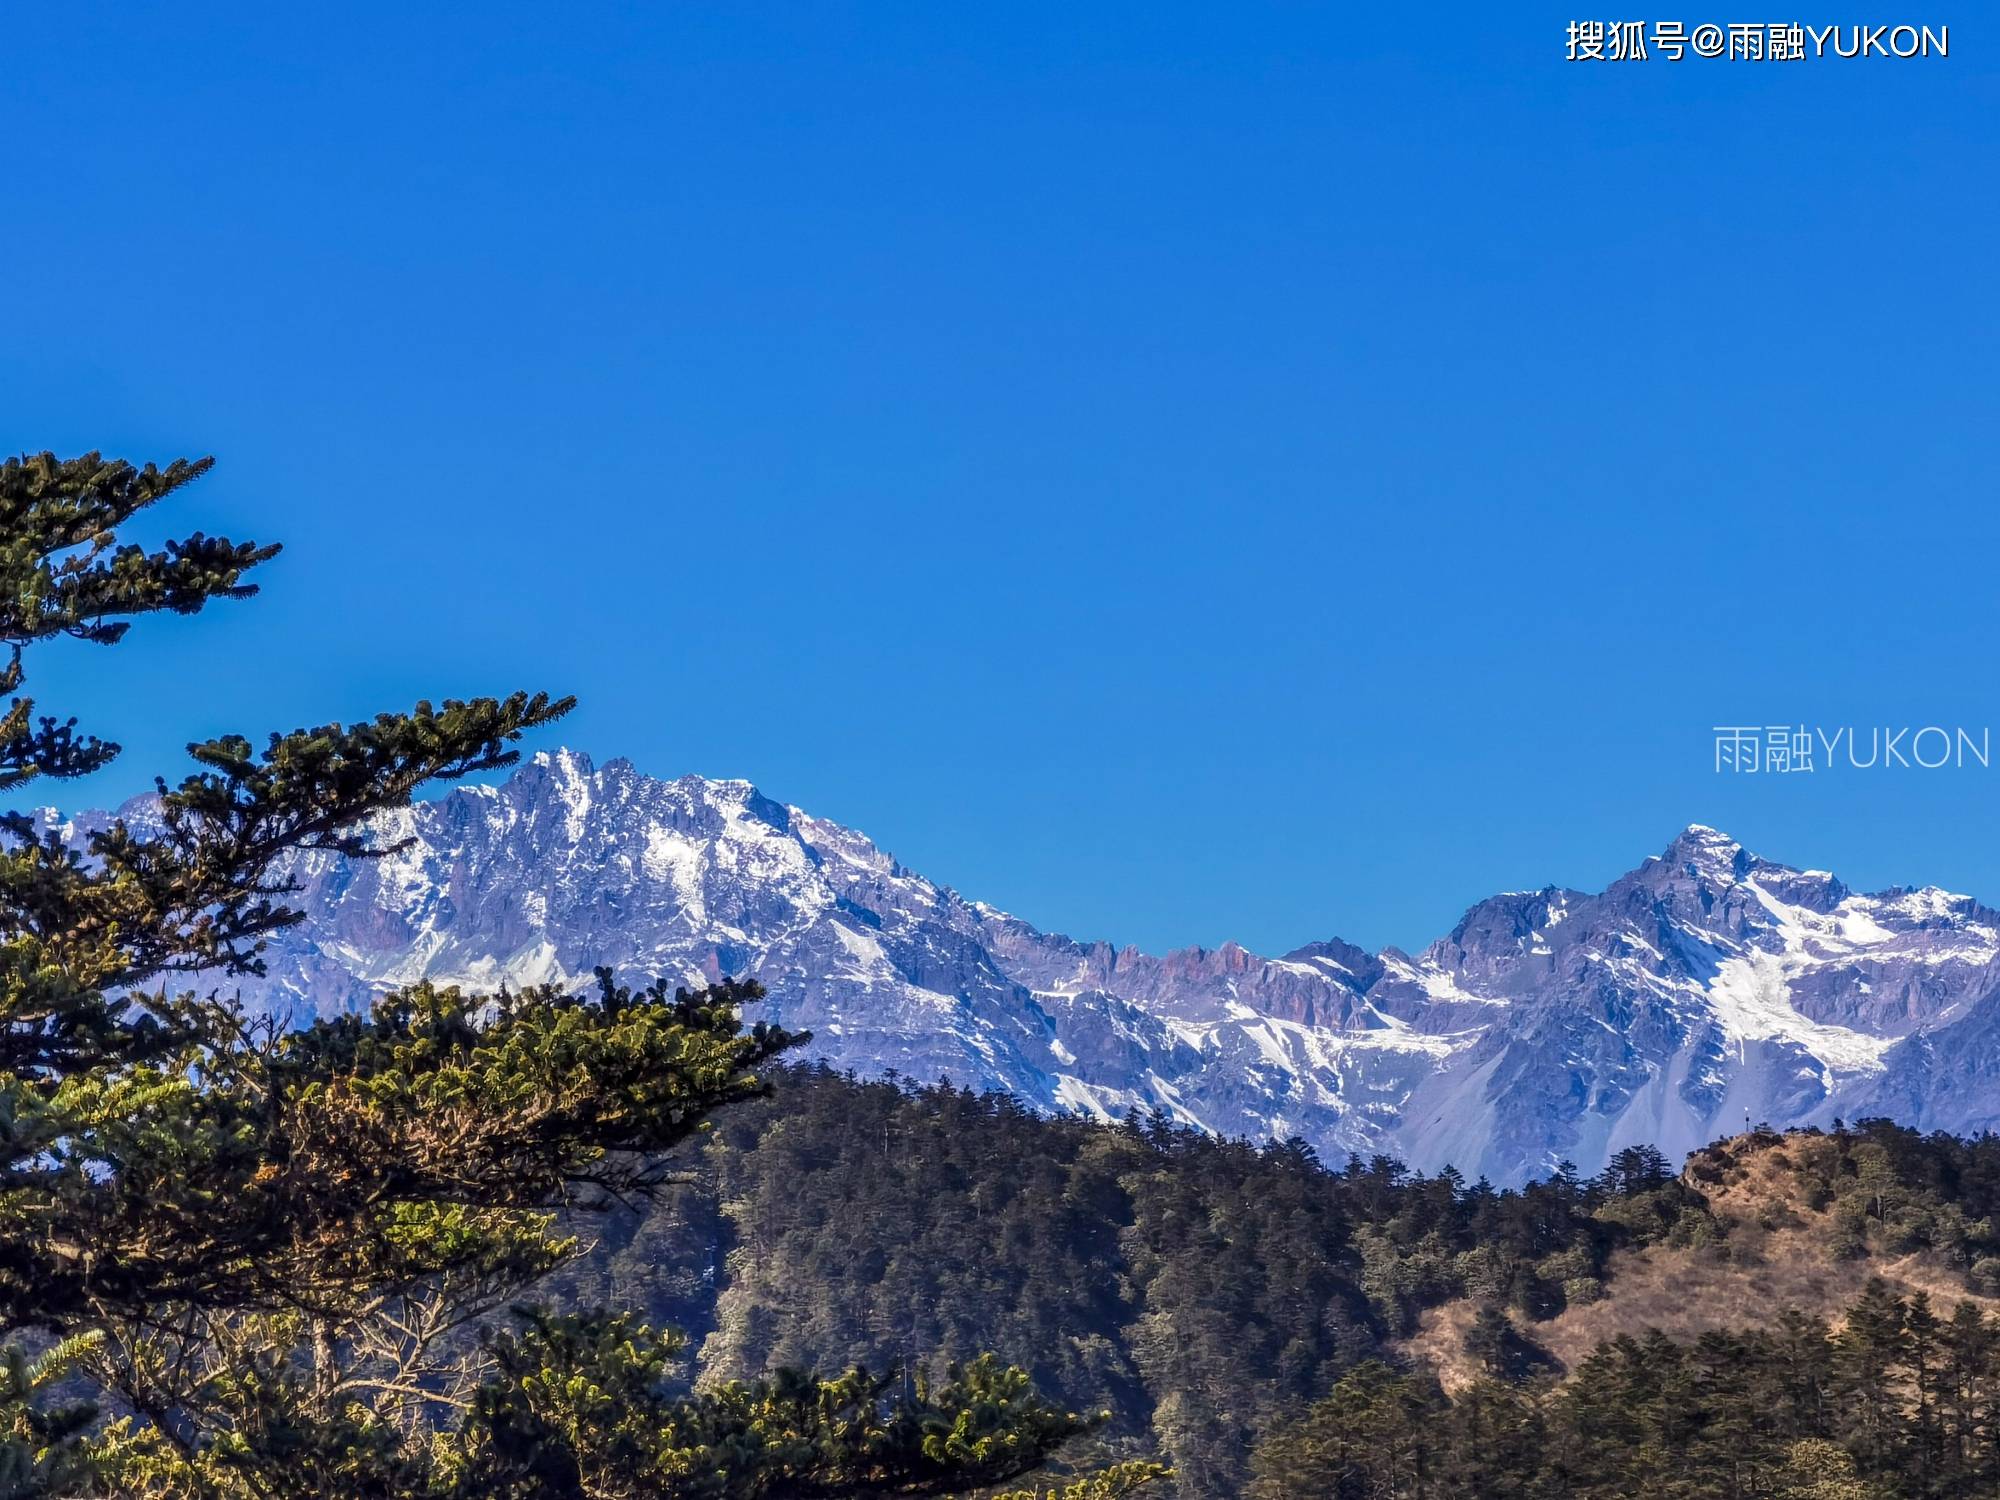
{"x":1703,"y":987}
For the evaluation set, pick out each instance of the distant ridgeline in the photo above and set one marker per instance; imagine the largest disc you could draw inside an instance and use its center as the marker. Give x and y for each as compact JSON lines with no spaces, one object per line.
{"x":1705,"y":988}
{"x":1277,"y":1327}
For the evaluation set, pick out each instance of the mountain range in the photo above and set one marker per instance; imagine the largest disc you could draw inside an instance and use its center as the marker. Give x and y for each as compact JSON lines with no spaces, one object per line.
{"x":1707,"y":988}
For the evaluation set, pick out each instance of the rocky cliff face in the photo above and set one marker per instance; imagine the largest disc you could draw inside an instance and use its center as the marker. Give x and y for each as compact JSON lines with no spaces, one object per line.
{"x":1705,"y":987}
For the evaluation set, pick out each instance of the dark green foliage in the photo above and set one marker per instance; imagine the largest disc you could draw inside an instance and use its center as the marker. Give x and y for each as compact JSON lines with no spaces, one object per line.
{"x":1896,"y":1404}
{"x":1207,"y":1292}
{"x":1367,"y":1437}
{"x":1201,"y":1290}
{"x":580,"y":1407}
{"x":41,"y":1452}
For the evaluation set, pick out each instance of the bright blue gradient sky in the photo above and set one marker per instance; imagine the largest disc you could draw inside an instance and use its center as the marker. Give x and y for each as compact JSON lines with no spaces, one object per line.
{"x":1178,"y":471}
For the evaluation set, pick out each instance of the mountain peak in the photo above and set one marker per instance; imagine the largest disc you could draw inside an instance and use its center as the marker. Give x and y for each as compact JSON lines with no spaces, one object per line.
{"x":1701,"y":836}
{"x":1708,"y":853}
{"x":1549,"y":1023}
{"x":567,"y":763}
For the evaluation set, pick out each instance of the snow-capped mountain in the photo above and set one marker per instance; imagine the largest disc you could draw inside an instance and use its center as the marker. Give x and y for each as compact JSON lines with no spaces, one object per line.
{"x":1706,"y":986}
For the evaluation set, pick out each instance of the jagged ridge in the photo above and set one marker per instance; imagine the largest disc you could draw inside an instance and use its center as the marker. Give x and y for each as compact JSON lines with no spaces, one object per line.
{"x":1706,"y":987}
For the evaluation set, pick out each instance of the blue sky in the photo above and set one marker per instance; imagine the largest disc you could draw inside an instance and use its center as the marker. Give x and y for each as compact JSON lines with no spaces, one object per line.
{"x":1178,"y":471}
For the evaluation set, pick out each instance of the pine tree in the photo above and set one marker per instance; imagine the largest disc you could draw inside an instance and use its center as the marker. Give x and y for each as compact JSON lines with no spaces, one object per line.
{"x":269,"y":1250}
{"x":1966,"y":1393}
{"x":1373,"y":1437}
{"x":1870,"y":1371}
{"x":1801,"y":1375}
{"x":1922,"y":1353}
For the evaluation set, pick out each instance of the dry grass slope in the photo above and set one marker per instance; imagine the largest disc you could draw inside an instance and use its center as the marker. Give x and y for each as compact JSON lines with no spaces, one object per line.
{"x":1777,"y":1251}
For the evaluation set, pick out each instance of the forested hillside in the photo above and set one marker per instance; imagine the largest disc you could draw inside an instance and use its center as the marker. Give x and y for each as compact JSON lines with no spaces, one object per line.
{"x":1209,"y":1293}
